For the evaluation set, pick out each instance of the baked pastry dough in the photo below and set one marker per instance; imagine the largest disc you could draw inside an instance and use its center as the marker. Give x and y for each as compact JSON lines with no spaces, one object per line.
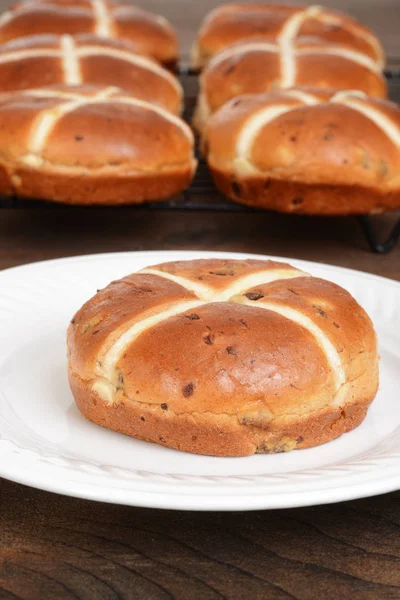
{"x":230,"y":23}
{"x":92,"y":145}
{"x":43,"y":60}
{"x":260,"y":65}
{"x":224,"y":357}
{"x":150,"y":33}
{"x":307,"y":150}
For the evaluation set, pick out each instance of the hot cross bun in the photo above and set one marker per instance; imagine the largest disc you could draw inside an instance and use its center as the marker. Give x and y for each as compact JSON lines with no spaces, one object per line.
{"x":307,"y":150}
{"x":224,"y":357}
{"x":230,"y":23}
{"x":149,"y":33}
{"x":260,"y":65}
{"x":38,"y":61}
{"x":91,"y":145}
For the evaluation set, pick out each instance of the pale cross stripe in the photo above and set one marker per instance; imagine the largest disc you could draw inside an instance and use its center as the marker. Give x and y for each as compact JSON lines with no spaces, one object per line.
{"x":384,"y":123}
{"x":305,"y":97}
{"x":254,"y":125}
{"x":210,"y":294}
{"x":6,"y":17}
{"x":70,"y":61}
{"x":163,"y":21}
{"x":22,"y":54}
{"x":47,"y":119}
{"x":323,"y":341}
{"x":242,"y":49}
{"x":286,"y":42}
{"x":352,"y":55}
{"x":118,"y":98}
{"x":103,"y":19}
{"x":205,"y":294}
{"x":106,"y":368}
{"x":365,"y":35}
{"x":290,"y":32}
{"x":293,"y":24}
{"x":250,"y":131}
{"x":62,"y":94}
{"x":99,"y":7}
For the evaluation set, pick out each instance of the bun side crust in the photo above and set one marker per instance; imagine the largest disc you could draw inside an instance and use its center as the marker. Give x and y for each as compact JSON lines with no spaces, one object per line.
{"x":214,"y":435}
{"x":95,"y":188}
{"x":304,"y":198}
{"x":92,"y":145}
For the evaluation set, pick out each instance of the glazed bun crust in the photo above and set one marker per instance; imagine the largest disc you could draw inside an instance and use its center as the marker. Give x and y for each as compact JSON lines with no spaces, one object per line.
{"x":260,"y":65}
{"x":43,"y":60}
{"x":91,"y":145}
{"x":307,"y":150}
{"x":225,"y":358}
{"x":149,"y":33}
{"x":231,"y":23}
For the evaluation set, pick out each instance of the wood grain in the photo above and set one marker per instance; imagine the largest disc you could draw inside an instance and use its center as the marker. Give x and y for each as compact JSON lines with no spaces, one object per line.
{"x":55,"y":547}
{"x":38,"y":234}
{"x":52,"y":547}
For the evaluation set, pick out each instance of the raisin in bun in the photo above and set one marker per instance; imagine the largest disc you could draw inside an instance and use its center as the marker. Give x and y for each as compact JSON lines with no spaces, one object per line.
{"x":224,"y":357}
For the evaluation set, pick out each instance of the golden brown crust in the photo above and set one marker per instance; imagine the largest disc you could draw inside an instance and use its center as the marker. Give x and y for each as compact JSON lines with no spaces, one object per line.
{"x":214,"y":435}
{"x":90,"y":145}
{"x":304,"y":198}
{"x":230,"y":23}
{"x":307,"y":150}
{"x":43,"y":60}
{"x":98,"y":188}
{"x":224,"y":357}
{"x":227,"y":366}
{"x":150,"y":34}
{"x":115,"y":308}
{"x":218,"y":273}
{"x":259,"y":65}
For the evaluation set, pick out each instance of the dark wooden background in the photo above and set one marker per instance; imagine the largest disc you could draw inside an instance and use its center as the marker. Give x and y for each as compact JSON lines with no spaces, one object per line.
{"x":53,"y":547}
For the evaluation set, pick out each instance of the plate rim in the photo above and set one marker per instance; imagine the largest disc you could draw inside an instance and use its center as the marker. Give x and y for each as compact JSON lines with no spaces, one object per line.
{"x":220,"y":503}
{"x":182,"y":501}
{"x":107,"y":255}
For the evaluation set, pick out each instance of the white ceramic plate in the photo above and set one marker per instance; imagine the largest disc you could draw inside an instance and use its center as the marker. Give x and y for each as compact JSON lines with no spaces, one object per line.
{"x":46,"y":443}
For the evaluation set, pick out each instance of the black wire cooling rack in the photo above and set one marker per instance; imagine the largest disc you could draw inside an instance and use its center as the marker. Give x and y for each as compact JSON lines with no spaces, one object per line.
{"x":202,"y":195}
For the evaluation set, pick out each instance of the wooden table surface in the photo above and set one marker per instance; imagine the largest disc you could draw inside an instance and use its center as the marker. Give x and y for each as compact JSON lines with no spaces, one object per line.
{"x":53,"y":547}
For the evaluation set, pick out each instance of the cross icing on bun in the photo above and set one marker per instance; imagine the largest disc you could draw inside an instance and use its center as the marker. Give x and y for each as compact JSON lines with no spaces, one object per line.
{"x":224,"y":357}
{"x":151,"y":34}
{"x":92,"y":145}
{"x":230,"y":23}
{"x":307,"y":150}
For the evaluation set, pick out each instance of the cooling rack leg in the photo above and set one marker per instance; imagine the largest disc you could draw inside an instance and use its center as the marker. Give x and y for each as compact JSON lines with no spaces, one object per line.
{"x":370,"y":233}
